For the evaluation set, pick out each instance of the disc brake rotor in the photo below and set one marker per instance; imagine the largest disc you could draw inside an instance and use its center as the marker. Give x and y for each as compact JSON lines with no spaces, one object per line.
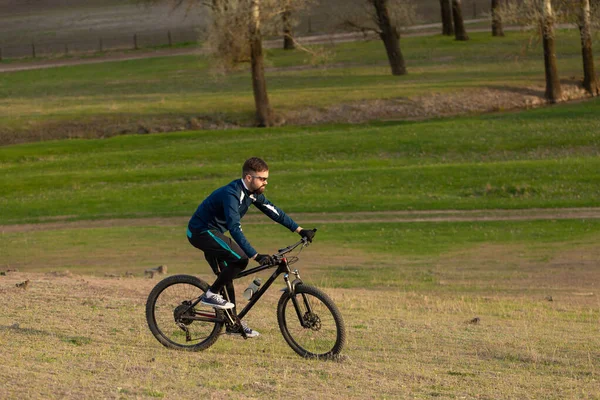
{"x":312,"y":321}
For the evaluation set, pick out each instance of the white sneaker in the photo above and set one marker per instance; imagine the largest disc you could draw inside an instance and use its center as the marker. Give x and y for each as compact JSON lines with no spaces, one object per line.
{"x":216,"y":301}
{"x":250,"y":333}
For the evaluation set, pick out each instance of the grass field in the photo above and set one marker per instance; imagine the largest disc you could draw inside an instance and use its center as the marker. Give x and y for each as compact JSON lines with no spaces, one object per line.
{"x":408,"y":291}
{"x":540,"y":158}
{"x":445,"y":308}
{"x":151,"y":94}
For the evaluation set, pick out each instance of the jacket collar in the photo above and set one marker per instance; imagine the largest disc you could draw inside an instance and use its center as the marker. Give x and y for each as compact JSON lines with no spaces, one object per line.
{"x":246,"y":191}
{"x":244,"y":186}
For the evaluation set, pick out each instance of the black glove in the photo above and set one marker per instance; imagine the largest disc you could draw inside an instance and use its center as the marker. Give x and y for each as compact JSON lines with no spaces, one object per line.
{"x":264,"y":259}
{"x":309,"y":234}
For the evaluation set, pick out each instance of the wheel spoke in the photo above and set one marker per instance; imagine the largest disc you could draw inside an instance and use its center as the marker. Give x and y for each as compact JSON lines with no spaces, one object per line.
{"x":170,"y":315}
{"x":171,"y":299}
{"x":320,"y":332}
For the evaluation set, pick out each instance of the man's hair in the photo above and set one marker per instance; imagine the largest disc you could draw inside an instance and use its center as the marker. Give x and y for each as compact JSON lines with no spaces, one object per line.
{"x":254,"y":164}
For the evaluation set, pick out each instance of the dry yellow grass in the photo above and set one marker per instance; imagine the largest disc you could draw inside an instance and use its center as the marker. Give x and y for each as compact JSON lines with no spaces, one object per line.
{"x":76,"y":336}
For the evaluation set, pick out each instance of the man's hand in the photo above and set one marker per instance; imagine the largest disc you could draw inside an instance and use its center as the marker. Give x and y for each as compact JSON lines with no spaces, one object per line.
{"x":309,"y":234}
{"x":264,"y":259}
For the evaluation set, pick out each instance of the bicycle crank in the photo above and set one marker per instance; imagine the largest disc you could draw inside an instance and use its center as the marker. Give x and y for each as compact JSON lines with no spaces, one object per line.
{"x":179,"y":314}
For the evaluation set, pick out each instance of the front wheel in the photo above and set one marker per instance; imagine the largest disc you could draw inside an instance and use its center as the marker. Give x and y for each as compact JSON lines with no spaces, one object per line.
{"x":311,"y":323}
{"x":172,"y":319}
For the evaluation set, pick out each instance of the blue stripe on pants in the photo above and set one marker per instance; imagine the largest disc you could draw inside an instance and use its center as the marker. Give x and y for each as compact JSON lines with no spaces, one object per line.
{"x":224,"y":245}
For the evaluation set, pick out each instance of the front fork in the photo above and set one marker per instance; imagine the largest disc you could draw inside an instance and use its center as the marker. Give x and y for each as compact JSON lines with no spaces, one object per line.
{"x":292,"y":285}
{"x":292,"y":290}
{"x":232,"y":316}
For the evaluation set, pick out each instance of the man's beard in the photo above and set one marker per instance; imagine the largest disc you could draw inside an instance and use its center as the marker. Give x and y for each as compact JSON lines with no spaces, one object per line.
{"x":260,"y":190}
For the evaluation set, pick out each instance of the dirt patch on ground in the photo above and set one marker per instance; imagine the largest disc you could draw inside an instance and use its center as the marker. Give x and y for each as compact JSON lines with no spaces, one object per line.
{"x":435,"y":105}
{"x":522,"y":268}
{"x":332,"y":218}
{"x":103,"y":127}
{"x":470,"y":101}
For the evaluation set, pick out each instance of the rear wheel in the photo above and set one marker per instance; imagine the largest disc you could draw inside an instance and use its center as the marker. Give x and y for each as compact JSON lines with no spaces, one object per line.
{"x":170,"y":315}
{"x":311,"y":323}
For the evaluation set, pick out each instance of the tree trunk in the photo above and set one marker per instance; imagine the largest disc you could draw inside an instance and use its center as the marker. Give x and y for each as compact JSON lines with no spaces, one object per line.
{"x":447,"y":27}
{"x":288,"y":41}
{"x":553,"y":90}
{"x":264,"y":114}
{"x":497,"y":29}
{"x":590,"y":83}
{"x":390,"y":37}
{"x":459,"y":27}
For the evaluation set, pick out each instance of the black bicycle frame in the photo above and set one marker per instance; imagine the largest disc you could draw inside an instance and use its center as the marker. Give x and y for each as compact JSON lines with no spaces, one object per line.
{"x":282,"y":268}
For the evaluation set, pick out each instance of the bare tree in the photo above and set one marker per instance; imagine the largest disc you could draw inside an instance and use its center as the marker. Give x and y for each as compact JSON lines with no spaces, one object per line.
{"x":460,"y":32}
{"x":584,"y":13}
{"x":288,"y":39}
{"x":590,"y":82}
{"x":390,"y":37}
{"x":447,"y":26}
{"x":235,"y":36}
{"x":288,"y":9}
{"x":553,"y":89}
{"x":264,"y":114}
{"x":497,"y":29}
{"x":384,"y":17}
{"x":538,"y":14}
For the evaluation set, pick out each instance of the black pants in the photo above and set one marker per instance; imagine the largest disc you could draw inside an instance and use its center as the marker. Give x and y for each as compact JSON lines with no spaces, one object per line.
{"x":224,"y":256}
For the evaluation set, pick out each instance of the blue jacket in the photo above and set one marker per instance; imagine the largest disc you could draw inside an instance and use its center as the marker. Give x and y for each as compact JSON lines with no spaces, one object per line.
{"x":226,"y":206}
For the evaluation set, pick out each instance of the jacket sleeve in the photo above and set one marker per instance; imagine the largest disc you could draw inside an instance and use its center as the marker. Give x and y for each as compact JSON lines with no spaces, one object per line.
{"x":231,"y":209}
{"x":275,"y":213}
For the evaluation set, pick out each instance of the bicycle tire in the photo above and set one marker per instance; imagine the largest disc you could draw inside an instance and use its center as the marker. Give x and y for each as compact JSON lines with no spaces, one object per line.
{"x":325,"y":320}
{"x":161,"y":309}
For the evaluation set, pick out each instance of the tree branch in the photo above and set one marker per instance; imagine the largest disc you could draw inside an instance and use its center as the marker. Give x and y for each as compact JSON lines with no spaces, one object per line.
{"x":360,"y":28}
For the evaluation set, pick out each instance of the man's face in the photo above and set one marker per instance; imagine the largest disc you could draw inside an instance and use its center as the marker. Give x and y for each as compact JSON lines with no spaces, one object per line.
{"x":257,"y":181}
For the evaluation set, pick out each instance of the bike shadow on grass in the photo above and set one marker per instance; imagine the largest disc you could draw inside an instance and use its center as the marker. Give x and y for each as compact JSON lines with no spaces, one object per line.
{"x":17,"y":329}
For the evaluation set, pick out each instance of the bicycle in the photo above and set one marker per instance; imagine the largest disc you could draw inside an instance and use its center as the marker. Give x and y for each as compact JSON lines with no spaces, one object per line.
{"x":309,"y":321}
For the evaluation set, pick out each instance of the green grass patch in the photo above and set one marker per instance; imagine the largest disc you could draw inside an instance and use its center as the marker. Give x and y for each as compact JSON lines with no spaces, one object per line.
{"x":137,"y":90}
{"x":539,"y":158}
{"x":77,"y":340}
{"x":410,"y":255}
{"x":438,"y":238}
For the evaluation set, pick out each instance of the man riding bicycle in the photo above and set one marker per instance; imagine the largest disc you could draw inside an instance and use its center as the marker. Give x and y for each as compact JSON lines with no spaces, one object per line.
{"x":222,"y":211}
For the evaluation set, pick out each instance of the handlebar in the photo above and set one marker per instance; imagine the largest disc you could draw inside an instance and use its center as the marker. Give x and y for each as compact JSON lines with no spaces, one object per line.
{"x":277,"y":258}
{"x":281,"y":252}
